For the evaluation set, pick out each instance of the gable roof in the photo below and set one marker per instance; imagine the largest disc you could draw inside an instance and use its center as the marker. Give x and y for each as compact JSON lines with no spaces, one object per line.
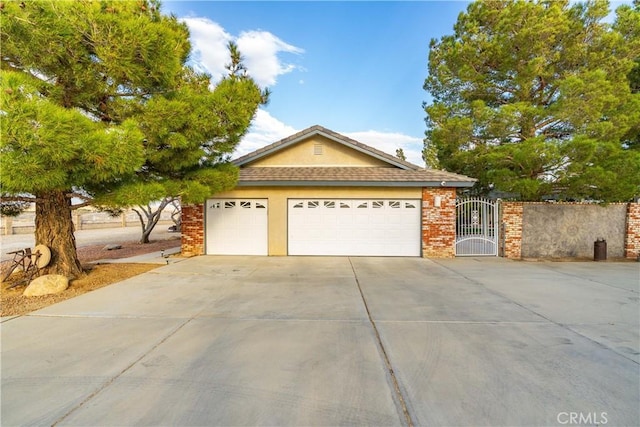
{"x":334,"y":136}
{"x":401,"y":174}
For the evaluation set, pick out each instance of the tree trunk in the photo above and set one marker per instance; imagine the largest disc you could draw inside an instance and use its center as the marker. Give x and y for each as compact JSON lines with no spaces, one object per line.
{"x":54,"y":228}
{"x":152,"y":217}
{"x":144,"y":238}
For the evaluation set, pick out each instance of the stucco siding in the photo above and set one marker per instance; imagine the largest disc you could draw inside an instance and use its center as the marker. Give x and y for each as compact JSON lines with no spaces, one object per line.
{"x":564,"y":230}
{"x":319,"y":151}
{"x":278,"y":196}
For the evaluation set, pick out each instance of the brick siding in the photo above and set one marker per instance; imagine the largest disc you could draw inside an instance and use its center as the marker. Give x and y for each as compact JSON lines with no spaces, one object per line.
{"x":632,"y":237}
{"x":511,"y":220}
{"x":193,"y":230}
{"x":438,"y":223}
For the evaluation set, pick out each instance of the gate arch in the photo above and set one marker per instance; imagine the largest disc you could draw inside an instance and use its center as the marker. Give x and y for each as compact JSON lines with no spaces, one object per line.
{"x":476,"y":227}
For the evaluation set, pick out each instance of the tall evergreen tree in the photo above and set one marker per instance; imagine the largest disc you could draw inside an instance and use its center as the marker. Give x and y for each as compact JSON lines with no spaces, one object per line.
{"x":628,"y":25}
{"x":533,"y":97}
{"x":98,"y":105}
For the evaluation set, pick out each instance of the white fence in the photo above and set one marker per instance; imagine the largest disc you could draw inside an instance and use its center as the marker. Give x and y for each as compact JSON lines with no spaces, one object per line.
{"x":83,"y":219}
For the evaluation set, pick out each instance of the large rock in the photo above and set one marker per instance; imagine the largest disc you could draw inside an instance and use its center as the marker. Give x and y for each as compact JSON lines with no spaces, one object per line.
{"x":46,"y":285}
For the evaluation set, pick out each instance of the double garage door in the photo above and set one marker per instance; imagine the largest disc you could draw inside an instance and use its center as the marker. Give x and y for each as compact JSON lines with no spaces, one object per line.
{"x":358,"y":227}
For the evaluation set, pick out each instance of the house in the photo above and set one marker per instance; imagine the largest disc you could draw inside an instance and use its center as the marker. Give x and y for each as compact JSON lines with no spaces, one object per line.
{"x":320,"y":193}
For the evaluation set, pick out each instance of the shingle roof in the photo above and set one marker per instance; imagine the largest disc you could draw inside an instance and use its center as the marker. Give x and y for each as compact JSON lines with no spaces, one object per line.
{"x":400,"y":173}
{"x":319,"y":130}
{"x":350,"y":176}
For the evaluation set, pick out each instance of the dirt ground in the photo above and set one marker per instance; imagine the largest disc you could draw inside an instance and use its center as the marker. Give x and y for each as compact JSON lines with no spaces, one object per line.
{"x":13,"y":303}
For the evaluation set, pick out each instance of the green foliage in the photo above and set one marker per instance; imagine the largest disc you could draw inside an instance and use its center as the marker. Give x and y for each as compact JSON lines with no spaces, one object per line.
{"x":533,"y":98}
{"x":98,"y":100}
{"x":48,"y":147}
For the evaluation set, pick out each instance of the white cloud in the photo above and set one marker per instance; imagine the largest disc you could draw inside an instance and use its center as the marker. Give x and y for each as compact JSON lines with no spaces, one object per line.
{"x":260,"y":50}
{"x":265,"y":129}
{"x":389,"y":142}
{"x":209,"y":46}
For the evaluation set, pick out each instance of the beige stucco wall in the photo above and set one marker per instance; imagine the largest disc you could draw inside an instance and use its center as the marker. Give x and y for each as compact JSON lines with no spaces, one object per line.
{"x":333,"y":154}
{"x":277,"y":200}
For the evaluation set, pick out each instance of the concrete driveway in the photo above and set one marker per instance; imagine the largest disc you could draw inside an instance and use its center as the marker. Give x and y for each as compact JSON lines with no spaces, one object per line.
{"x":334,"y":341}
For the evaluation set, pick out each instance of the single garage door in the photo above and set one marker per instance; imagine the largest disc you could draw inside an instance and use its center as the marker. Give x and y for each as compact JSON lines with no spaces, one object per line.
{"x":236,"y":227}
{"x":376,"y":227}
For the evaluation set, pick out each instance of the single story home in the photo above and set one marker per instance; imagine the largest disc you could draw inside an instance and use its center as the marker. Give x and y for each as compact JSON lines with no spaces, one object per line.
{"x":320,"y":193}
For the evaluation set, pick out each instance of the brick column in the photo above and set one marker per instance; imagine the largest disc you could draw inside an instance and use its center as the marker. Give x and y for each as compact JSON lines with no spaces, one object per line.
{"x":512,"y":228}
{"x":192,"y":230}
{"x":632,"y":235}
{"x":438,"y":222}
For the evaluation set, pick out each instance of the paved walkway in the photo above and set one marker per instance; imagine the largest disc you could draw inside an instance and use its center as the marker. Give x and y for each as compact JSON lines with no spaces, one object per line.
{"x":334,"y":341}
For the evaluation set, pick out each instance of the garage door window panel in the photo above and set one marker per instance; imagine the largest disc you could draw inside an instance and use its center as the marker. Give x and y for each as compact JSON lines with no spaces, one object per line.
{"x":354,"y":227}
{"x":237,"y":227}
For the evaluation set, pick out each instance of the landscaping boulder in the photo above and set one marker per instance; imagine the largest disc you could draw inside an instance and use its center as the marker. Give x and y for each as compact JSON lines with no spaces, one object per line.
{"x":46,"y":285}
{"x":112,"y":247}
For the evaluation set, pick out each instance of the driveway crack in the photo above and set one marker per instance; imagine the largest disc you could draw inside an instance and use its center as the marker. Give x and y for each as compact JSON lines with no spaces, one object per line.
{"x":387,"y":362}
{"x":118,"y":375}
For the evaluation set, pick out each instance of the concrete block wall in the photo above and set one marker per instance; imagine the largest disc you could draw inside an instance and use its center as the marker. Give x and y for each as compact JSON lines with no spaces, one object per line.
{"x":438,"y":222}
{"x":580,"y":217}
{"x":192,"y":230}
{"x":632,"y":238}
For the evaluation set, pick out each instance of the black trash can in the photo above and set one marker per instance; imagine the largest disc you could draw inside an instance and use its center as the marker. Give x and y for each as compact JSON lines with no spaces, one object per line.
{"x":600,"y":250}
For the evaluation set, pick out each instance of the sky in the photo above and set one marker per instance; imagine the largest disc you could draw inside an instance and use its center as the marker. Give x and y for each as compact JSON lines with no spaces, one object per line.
{"x":356,"y":68}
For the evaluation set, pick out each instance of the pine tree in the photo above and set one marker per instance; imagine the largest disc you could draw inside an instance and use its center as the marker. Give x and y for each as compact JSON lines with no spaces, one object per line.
{"x":533,"y":97}
{"x":98,"y":105}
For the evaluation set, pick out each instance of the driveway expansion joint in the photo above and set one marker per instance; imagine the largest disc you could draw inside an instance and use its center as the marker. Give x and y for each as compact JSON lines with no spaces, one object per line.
{"x":118,"y":375}
{"x":394,"y":379}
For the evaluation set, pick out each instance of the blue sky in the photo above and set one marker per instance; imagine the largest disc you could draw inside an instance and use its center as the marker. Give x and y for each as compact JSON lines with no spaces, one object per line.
{"x":355,"y":67}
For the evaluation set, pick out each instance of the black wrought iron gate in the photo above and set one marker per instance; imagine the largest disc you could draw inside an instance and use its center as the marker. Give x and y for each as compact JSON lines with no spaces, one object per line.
{"x":476,"y":227}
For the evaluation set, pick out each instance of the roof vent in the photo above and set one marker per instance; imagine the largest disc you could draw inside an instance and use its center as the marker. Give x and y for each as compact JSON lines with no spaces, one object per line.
{"x":317,"y":149}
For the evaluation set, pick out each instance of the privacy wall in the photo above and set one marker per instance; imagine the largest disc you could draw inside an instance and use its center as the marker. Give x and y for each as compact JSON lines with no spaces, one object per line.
{"x":569,"y":230}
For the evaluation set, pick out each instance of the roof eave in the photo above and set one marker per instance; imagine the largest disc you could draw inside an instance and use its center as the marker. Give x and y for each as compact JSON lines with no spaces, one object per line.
{"x":318,"y":130}
{"x":286,"y":183}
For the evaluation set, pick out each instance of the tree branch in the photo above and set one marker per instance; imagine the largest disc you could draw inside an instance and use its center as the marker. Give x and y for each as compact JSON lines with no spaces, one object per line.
{"x":140,"y":218}
{"x":81,"y":205}
{"x":79,"y":196}
{"x":547,"y":122}
{"x":30,"y":199}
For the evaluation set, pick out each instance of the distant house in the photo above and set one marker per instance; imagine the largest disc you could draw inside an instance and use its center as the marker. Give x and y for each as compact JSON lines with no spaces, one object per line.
{"x":320,"y":193}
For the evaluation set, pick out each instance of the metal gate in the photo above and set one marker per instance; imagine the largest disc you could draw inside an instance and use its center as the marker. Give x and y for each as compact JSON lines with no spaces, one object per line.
{"x":476,"y":227}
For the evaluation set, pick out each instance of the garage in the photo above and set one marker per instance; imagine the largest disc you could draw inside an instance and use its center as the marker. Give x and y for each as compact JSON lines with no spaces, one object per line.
{"x":237,"y":227}
{"x":359,"y":227}
{"x":317,"y":192}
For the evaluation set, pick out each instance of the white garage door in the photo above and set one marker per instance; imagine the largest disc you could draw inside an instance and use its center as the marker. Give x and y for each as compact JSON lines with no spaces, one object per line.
{"x":236,"y":227}
{"x":354,"y":227}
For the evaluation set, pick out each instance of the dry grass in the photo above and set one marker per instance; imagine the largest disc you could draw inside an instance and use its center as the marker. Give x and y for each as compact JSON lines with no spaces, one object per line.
{"x":13,"y":303}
